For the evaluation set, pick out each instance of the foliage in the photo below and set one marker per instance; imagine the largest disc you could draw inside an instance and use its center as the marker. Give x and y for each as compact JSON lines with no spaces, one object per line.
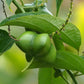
{"x":41,"y":53}
{"x":5,"y":41}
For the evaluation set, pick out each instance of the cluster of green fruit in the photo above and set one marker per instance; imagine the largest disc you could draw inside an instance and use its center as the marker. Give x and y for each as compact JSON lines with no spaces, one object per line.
{"x":37,"y":45}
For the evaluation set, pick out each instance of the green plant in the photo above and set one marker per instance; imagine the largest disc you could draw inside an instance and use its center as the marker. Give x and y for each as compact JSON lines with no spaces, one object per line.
{"x":44,"y":39}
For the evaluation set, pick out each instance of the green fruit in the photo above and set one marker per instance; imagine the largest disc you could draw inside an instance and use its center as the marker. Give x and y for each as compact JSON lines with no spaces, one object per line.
{"x":26,"y":41}
{"x":38,"y":46}
{"x":34,"y":44}
{"x":41,"y":44}
{"x":50,"y":57}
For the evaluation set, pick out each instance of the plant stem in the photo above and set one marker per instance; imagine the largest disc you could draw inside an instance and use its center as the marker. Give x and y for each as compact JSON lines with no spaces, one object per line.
{"x":64,"y":79}
{"x":79,"y":74}
{"x":4,"y":11}
{"x":22,"y":2}
{"x":19,"y":6}
{"x":36,"y":3}
{"x":33,"y":6}
{"x":72,"y":76}
{"x":59,"y":71}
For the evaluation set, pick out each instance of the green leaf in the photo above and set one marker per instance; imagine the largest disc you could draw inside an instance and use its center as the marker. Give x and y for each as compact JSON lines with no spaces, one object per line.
{"x":34,"y":21}
{"x":39,"y":64}
{"x":58,"y":42}
{"x":46,"y":23}
{"x":69,"y":61}
{"x":46,"y":76}
{"x":58,"y":4}
{"x":64,"y":60}
{"x":71,"y":35}
{"x":5,"y":41}
{"x":8,"y":2}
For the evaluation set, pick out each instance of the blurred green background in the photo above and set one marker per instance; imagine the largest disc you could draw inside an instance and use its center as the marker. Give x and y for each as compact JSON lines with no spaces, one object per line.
{"x":13,"y":61}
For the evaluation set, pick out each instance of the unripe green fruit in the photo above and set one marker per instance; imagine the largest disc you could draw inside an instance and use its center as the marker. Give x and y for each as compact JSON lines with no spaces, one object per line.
{"x":51,"y":56}
{"x":34,"y":44}
{"x":25,"y":43}
{"x":41,"y":44}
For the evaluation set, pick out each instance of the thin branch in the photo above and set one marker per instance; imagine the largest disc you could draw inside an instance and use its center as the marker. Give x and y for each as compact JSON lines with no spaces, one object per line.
{"x":36,"y":3}
{"x":79,"y":75}
{"x":72,"y":76}
{"x":65,"y":79}
{"x":4,"y":11}
{"x":69,"y":15}
{"x":12,"y":36}
{"x":22,"y":2}
{"x":59,"y":71}
{"x":18,"y":6}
